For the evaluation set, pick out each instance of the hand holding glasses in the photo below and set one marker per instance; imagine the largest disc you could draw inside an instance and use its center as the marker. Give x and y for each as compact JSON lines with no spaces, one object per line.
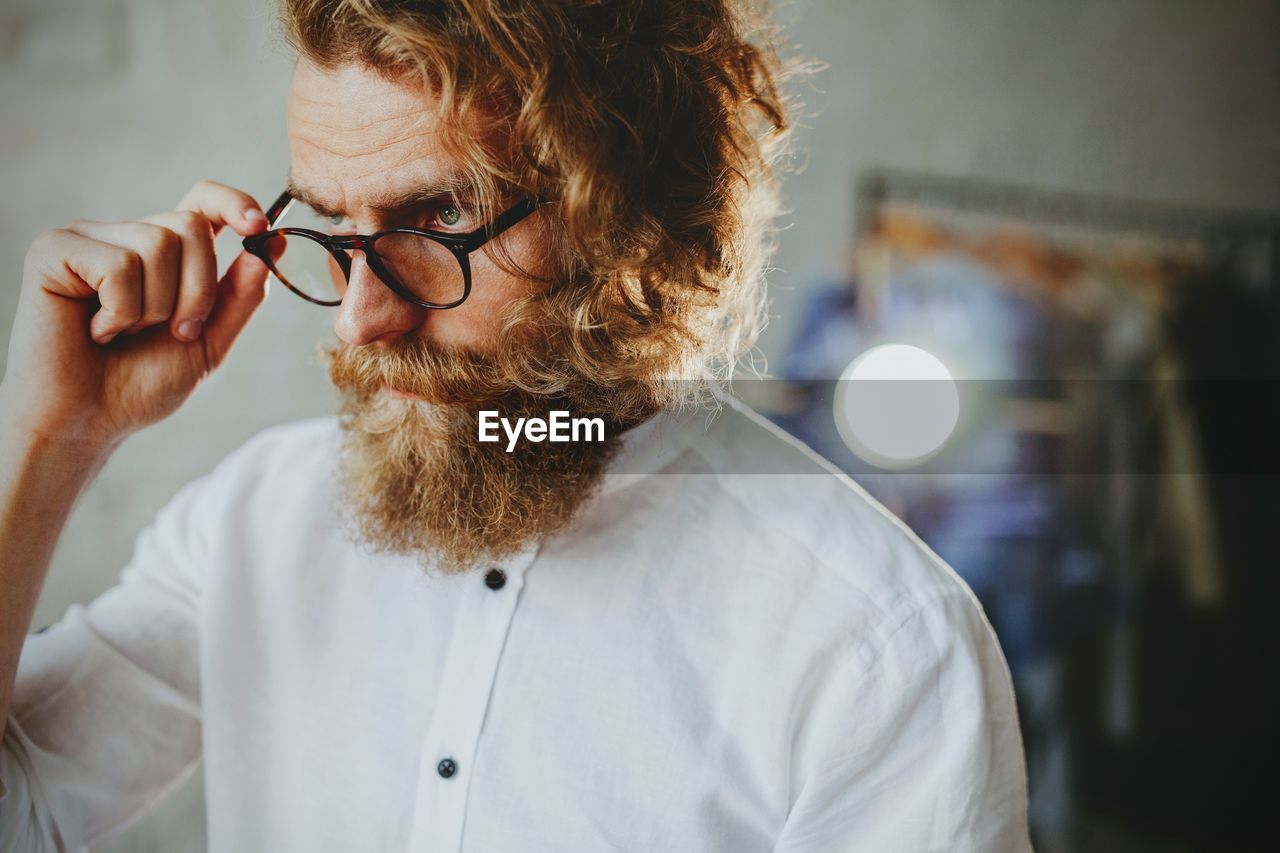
{"x":428,"y":268}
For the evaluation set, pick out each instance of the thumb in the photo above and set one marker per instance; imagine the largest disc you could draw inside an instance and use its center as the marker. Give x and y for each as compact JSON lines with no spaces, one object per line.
{"x":240,"y":292}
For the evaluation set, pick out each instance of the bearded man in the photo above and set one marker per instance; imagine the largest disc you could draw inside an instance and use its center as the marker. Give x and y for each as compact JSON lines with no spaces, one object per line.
{"x":381,"y":631}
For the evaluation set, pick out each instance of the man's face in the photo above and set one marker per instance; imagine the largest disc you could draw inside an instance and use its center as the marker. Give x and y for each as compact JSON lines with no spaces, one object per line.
{"x":417,"y":480}
{"x":358,"y":142}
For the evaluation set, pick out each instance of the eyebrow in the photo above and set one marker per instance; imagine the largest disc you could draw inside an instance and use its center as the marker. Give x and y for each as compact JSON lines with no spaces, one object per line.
{"x":455,"y":185}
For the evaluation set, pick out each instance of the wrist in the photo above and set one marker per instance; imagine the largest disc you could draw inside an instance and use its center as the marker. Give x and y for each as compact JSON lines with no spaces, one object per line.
{"x":26,"y":437}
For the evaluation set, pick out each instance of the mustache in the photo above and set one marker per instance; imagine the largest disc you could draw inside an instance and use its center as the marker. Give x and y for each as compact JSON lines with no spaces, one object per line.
{"x":513,"y":380}
{"x":422,"y":368}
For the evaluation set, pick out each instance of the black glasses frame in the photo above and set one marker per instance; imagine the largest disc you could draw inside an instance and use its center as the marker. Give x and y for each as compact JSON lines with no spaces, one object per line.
{"x":460,"y":245}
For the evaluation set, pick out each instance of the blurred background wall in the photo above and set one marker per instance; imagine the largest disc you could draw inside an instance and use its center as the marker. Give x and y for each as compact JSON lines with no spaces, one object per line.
{"x":113,"y":108}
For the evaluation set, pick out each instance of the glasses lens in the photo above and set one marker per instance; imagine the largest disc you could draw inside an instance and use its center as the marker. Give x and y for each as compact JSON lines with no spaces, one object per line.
{"x":308,"y":267}
{"x":426,"y":268}
{"x":304,"y":264}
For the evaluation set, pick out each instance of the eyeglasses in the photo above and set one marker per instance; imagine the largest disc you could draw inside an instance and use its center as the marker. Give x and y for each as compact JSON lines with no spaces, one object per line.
{"x":428,"y":268}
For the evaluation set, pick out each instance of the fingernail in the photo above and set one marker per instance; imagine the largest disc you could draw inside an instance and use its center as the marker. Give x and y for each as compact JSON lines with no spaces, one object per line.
{"x":189,"y":329}
{"x":252,"y":214}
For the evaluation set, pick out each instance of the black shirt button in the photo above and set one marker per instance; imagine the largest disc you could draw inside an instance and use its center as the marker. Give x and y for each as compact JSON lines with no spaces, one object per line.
{"x":446,"y":768}
{"x":495,"y":579}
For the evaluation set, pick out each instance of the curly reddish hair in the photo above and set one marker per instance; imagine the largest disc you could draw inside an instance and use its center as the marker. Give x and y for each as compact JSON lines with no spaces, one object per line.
{"x":655,"y":127}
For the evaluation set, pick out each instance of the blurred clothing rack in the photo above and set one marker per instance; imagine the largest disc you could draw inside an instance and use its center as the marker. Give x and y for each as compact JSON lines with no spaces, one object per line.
{"x":1215,"y":228}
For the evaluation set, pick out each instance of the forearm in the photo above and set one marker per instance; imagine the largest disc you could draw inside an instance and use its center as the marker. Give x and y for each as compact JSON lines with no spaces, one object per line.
{"x":40,"y":479}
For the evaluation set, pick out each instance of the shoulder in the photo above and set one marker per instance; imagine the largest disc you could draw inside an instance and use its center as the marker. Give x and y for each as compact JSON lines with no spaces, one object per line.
{"x":293,"y":441}
{"x":839,"y":602}
{"x":919,"y":697}
{"x":278,"y":466}
{"x":789,"y":496}
{"x":779,"y":533}
{"x":297,"y":450}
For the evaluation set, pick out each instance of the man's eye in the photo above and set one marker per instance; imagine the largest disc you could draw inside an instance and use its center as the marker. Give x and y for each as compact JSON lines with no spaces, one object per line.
{"x":449,"y":215}
{"x":336,"y":221}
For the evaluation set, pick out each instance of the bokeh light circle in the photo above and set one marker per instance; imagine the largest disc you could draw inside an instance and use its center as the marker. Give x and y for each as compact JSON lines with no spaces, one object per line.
{"x":896,"y":405}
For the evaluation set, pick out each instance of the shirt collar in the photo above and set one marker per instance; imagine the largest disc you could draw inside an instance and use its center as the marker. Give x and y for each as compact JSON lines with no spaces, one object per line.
{"x":654,"y":444}
{"x":646,"y":449}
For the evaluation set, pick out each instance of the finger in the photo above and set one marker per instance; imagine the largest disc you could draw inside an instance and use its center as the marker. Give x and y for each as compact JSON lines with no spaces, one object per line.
{"x":161,"y":252}
{"x":224,"y":205}
{"x":198,"y":284}
{"x":63,"y":262}
{"x":79,"y":267}
{"x":240,"y":293}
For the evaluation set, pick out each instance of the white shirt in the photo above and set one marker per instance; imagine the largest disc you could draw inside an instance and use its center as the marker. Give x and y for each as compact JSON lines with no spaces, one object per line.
{"x":732,"y":649}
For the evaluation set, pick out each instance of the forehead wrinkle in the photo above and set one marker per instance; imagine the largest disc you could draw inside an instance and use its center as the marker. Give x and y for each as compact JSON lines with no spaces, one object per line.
{"x":368,"y":171}
{"x":364,"y":121}
{"x":343,"y":134}
{"x":356,"y":147}
{"x":411,"y":114}
{"x":411,"y":152}
{"x":364,"y":105}
{"x":361,"y":142}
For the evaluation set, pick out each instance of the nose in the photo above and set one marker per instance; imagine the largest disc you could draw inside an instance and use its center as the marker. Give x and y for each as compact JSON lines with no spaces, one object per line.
{"x":370,"y":311}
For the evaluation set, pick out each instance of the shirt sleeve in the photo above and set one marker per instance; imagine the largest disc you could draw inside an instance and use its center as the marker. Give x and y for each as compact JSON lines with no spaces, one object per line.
{"x":105,"y":719}
{"x":924,"y":754}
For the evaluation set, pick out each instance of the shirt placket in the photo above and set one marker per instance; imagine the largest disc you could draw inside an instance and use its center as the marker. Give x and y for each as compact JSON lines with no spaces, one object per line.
{"x":475,"y":649}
